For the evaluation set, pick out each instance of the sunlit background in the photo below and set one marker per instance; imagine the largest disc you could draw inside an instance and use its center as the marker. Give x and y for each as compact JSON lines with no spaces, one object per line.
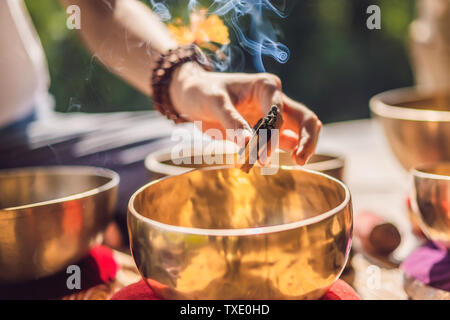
{"x":336,"y":63}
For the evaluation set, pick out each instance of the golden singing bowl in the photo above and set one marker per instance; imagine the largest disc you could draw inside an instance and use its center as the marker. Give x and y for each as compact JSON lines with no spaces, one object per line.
{"x":50,"y":217}
{"x":416,"y":123}
{"x":432,"y":201}
{"x":219,"y":233}
{"x":161,"y":163}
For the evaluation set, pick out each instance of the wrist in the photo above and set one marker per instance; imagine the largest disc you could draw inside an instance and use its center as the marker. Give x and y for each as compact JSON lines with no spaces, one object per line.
{"x":169,"y":79}
{"x":182,"y":77}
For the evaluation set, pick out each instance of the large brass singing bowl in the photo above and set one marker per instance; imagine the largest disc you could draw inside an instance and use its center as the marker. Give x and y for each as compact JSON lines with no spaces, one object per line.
{"x":219,"y":233}
{"x":50,"y":217}
{"x":160,"y":162}
{"x":416,"y":123}
{"x":432,"y":201}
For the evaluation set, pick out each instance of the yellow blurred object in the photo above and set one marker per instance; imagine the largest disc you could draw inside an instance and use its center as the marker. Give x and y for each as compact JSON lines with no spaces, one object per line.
{"x":202,"y":29}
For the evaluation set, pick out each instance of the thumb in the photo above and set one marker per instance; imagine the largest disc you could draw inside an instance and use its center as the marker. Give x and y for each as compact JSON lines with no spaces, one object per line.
{"x":227,"y":115}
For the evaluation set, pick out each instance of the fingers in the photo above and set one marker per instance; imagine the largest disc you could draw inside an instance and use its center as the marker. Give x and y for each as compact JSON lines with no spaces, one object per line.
{"x":267,"y":88}
{"x":301,"y":127}
{"x":261,"y":92}
{"x":288,"y":139}
{"x":308,"y":141}
{"x":301,"y":131}
{"x":227,"y":115}
{"x":257,"y":86}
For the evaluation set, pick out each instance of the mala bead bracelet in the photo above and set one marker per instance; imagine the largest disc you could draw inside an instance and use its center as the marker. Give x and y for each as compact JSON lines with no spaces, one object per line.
{"x":162,"y":75}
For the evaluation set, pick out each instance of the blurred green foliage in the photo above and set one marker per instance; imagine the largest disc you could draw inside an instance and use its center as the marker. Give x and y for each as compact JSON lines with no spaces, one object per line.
{"x":336,"y":63}
{"x":78,"y":81}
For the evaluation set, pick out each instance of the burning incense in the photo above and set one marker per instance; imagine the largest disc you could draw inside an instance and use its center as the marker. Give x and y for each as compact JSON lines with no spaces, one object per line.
{"x":256,"y":146}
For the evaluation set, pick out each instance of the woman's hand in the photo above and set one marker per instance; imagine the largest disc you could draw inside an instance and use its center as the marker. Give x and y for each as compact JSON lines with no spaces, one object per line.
{"x":238,"y":100}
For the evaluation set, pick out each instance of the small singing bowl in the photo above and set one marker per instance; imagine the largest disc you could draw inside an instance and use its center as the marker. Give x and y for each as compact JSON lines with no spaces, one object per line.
{"x":432,"y":201}
{"x":161,"y":164}
{"x":219,"y":233}
{"x":416,"y":123}
{"x":50,"y":217}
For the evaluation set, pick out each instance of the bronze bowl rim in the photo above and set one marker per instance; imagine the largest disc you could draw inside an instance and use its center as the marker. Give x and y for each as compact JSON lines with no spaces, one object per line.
{"x":392,"y":111}
{"x":87,"y":170}
{"x":422,"y":171}
{"x":240,"y":231}
{"x":423,"y":175}
{"x":153,"y":162}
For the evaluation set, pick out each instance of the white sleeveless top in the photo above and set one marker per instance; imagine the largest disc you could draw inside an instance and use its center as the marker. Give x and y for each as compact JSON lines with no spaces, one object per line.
{"x":24,"y":78}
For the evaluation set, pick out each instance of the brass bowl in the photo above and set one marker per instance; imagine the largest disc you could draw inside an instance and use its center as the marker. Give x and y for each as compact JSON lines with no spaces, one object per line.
{"x":432,"y":201}
{"x":161,"y":164}
{"x":50,"y":217}
{"x":219,"y":233}
{"x":416,"y":123}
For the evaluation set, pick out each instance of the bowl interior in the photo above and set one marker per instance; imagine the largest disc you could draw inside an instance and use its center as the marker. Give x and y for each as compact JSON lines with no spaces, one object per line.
{"x":31,"y":186}
{"x":435,"y":101}
{"x":230,"y":199}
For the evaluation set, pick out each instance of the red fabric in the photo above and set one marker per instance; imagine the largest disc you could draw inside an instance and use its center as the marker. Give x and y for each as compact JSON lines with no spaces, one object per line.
{"x":136,"y":291}
{"x":340,"y":290}
{"x":102,"y":265}
{"x":99,"y":267}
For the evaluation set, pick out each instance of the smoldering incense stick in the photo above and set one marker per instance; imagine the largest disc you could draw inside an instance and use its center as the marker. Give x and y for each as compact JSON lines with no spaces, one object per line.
{"x":273,"y":120}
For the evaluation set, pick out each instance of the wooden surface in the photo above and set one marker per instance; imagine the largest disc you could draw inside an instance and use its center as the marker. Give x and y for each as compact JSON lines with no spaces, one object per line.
{"x":377,"y":183}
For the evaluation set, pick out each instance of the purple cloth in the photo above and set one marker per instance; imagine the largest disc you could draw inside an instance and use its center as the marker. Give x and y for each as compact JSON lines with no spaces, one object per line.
{"x":430,"y":265}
